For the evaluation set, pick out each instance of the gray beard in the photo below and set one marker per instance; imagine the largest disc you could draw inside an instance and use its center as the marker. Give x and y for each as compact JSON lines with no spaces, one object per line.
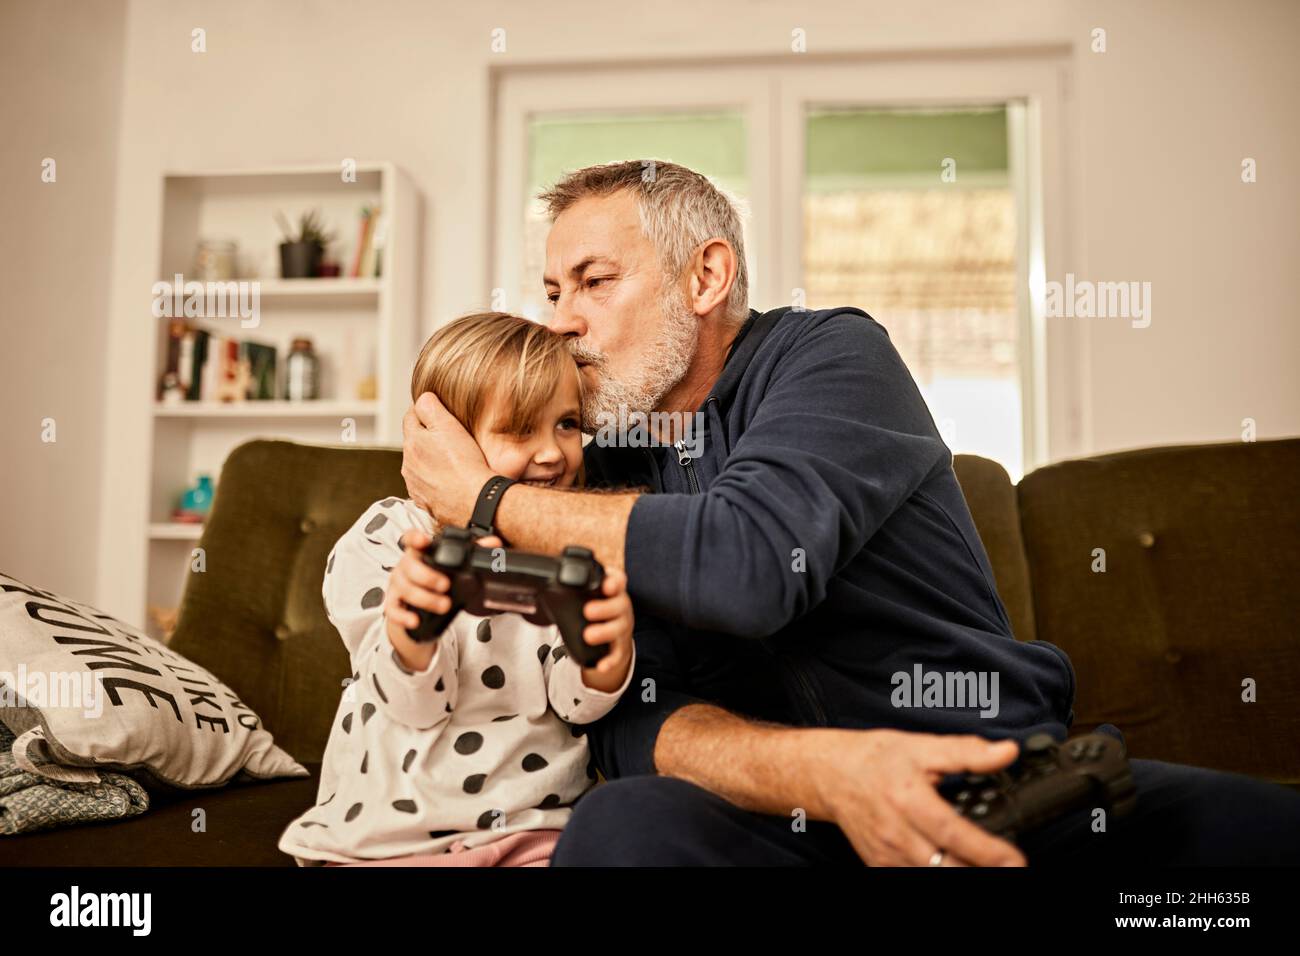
{"x":666,"y":361}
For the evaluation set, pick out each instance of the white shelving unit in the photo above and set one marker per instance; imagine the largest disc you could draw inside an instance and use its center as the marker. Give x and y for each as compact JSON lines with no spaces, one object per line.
{"x":360,"y":328}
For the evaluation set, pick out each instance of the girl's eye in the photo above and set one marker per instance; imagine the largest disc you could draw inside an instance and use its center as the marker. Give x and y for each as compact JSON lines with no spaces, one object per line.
{"x":551,"y":297}
{"x":596,"y":280}
{"x":569,"y":422}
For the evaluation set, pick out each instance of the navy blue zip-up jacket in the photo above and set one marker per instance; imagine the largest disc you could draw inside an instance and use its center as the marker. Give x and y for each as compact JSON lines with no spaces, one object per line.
{"x":818,"y":547}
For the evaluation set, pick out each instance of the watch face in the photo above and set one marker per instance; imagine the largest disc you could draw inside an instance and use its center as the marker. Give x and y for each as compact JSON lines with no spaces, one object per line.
{"x":498,"y":596}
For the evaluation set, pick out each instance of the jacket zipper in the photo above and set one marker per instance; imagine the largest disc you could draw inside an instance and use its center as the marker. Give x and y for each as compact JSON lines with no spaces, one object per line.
{"x":687,"y":464}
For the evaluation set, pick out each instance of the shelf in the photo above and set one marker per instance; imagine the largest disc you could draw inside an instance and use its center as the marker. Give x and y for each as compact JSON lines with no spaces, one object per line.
{"x":360,"y":328}
{"x":268,"y":409}
{"x":314,"y":291}
{"x":175,"y":531}
{"x":316,"y":286}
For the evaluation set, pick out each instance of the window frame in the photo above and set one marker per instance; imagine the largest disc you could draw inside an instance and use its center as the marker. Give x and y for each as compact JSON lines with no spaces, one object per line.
{"x":773,"y":97}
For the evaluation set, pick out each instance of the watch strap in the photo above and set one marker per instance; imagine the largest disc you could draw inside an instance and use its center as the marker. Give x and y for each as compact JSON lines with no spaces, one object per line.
{"x":483,"y":520}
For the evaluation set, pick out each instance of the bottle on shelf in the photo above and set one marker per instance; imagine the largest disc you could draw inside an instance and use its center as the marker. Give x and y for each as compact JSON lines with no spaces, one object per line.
{"x":302,"y":372}
{"x":196,"y":500}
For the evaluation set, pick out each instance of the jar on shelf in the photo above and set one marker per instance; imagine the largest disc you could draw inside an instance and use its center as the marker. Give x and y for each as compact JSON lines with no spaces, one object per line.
{"x":215,"y":260}
{"x":302,"y":372}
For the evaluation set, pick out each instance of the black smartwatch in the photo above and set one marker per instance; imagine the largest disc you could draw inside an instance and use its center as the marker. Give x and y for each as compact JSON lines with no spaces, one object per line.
{"x":483,"y":521}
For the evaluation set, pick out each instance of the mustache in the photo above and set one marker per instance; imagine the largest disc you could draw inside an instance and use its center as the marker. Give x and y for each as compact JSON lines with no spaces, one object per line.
{"x":589,"y":356}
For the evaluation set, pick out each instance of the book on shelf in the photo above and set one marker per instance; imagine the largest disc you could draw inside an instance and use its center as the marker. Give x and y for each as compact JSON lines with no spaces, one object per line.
{"x":372,"y":235}
{"x":203,"y":367}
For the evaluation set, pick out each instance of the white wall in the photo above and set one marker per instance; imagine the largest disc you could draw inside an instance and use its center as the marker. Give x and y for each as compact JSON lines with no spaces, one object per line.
{"x":1184,"y":92}
{"x":1162,"y":121}
{"x":60,"y":70}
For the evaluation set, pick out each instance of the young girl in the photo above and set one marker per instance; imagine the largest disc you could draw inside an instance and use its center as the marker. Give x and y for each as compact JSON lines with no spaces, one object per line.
{"x":469,"y":749}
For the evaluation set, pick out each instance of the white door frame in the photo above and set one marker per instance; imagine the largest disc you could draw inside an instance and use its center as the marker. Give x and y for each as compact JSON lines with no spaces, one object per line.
{"x":773,"y":98}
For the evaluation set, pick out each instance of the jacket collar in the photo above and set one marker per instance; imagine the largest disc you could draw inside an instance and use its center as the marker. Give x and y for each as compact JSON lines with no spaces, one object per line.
{"x":746,"y":343}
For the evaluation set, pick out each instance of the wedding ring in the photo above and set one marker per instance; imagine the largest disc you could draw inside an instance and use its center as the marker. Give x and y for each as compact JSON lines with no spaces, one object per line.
{"x":936,"y":858}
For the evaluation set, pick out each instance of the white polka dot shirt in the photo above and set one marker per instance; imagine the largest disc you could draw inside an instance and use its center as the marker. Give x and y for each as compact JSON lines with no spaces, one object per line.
{"x":485,"y":741}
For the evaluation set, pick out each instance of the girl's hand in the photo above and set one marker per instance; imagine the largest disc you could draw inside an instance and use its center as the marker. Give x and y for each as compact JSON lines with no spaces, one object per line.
{"x":413,"y":584}
{"x":609,"y":622}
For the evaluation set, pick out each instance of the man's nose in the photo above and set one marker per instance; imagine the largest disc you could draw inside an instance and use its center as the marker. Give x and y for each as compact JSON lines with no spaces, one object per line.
{"x":566,"y":320}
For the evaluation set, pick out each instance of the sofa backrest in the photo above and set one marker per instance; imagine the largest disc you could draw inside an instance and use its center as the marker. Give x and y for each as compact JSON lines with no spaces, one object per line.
{"x":991,"y":497}
{"x":254,"y":616}
{"x":1198,"y":600}
{"x":1201,"y":547}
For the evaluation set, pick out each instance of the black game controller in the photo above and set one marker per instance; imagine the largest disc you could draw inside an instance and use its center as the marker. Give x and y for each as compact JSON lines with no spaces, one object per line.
{"x":543,"y":589}
{"x":1049,"y":781}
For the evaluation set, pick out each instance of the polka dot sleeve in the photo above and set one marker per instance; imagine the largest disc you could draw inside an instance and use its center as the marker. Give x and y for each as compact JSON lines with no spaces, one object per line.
{"x":569,"y":697}
{"x":356,"y":576}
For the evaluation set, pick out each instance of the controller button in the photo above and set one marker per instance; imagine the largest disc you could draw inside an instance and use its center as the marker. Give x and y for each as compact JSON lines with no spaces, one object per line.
{"x":449,"y":553}
{"x":1040,"y":744}
{"x":965,"y":797}
{"x":988,"y":796}
{"x":977,"y":780}
{"x":573,"y":573}
{"x":980,"y":810}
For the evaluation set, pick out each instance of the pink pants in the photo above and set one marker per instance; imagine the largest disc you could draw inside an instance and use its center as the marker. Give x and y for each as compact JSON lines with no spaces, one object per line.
{"x":525,"y":848}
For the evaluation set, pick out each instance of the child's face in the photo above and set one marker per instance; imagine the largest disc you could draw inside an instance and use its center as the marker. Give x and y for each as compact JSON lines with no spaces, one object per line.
{"x":551,"y":454}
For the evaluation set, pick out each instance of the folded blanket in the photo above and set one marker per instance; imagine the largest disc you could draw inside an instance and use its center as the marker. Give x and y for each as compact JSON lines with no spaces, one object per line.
{"x":38,"y":794}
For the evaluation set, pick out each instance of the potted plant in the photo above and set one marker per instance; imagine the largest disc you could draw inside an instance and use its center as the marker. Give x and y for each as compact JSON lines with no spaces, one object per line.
{"x":301,"y":252}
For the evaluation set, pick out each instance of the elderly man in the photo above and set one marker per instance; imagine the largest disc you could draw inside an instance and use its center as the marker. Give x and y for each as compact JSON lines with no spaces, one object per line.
{"x":805,"y":543}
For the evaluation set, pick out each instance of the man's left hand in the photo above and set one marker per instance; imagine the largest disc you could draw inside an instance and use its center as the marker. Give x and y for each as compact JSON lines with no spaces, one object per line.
{"x":442,"y":465}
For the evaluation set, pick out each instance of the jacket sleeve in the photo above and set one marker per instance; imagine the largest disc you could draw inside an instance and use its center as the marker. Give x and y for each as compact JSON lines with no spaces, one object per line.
{"x":623,"y":741}
{"x":356,"y":577}
{"x":840,"y":438}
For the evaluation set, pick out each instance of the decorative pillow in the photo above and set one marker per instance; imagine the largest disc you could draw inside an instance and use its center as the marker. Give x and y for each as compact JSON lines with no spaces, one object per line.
{"x":95,"y":693}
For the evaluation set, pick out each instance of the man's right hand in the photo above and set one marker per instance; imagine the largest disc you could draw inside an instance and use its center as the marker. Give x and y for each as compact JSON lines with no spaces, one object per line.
{"x":879,"y":786}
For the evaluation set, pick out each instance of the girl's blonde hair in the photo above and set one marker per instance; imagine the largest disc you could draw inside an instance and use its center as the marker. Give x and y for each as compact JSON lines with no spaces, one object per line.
{"x":465,"y":359}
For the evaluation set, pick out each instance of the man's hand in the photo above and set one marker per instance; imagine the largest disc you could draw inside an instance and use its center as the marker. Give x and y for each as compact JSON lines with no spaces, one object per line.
{"x":879,"y":786}
{"x":443,"y":467}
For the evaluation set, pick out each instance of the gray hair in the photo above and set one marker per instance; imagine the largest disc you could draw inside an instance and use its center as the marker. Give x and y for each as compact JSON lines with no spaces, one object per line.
{"x":680,"y":211}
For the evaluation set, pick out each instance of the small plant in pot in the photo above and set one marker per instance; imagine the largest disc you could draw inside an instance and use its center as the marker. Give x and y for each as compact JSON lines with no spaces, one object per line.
{"x":301,"y":252}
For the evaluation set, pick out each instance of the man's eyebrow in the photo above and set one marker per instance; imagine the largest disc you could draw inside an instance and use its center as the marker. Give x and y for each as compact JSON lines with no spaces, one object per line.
{"x":579,"y":268}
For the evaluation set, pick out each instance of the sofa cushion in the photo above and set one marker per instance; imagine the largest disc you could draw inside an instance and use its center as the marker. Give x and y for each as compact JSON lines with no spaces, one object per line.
{"x":255,"y":616}
{"x":84,"y":693}
{"x":1202,"y":553}
{"x":992,"y":501}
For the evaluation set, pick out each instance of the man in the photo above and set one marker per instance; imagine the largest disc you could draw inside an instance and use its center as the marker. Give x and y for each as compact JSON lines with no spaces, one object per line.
{"x":807,"y":544}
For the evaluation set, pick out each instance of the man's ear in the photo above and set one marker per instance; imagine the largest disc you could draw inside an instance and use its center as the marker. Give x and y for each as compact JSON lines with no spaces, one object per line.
{"x":713,"y":273}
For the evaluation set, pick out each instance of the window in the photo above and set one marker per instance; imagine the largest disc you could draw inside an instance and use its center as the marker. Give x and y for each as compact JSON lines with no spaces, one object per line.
{"x":912,"y":190}
{"x":909,"y":215}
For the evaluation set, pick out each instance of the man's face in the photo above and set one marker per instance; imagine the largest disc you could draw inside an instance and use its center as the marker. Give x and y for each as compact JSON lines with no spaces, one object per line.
{"x":633,"y":336}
